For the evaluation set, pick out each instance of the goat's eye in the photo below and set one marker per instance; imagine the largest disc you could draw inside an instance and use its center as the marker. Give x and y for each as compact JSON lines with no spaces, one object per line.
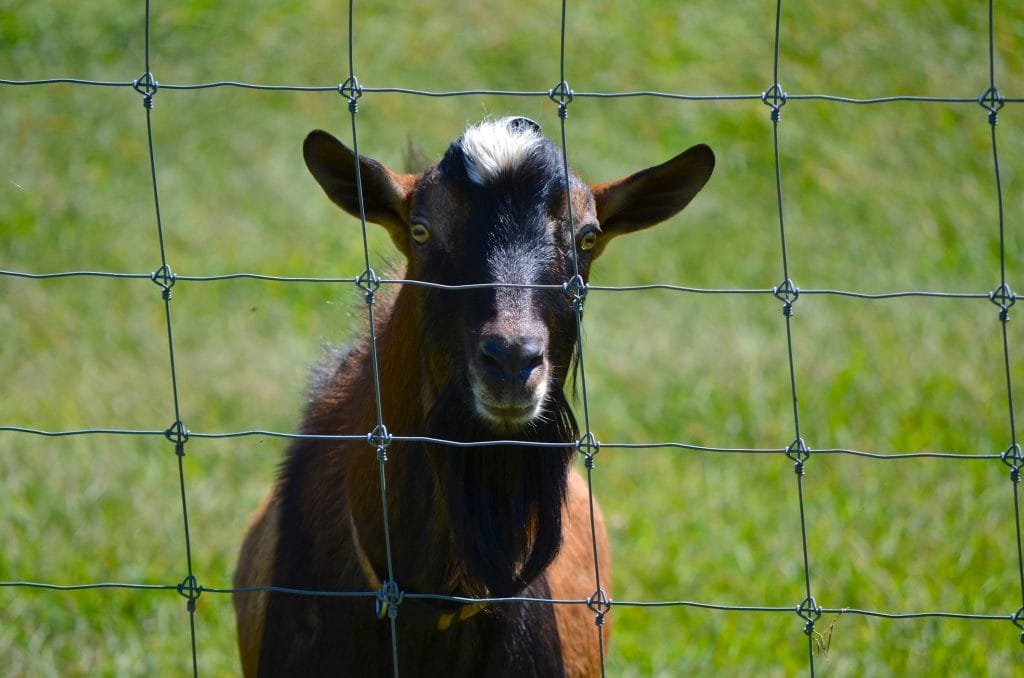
{"x":588,"y":238}
{"x":420,"y":233}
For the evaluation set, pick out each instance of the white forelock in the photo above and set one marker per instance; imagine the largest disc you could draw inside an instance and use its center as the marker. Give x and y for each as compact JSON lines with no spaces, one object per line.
{"x":495,"y":146}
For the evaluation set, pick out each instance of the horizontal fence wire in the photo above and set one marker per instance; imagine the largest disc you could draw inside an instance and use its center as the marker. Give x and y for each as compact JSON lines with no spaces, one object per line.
{"x":786,"y":292}
{"x":586,"y":288}
{"x":439,"y":94}
{"x":284,"y":435}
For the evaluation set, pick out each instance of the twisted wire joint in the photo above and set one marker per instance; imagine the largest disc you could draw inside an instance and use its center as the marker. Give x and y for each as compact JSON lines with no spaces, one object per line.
{"x":177,"y":434}
{"x":189,"y":588}
{"x":562,"y":95}
{"x":380,"y":438}
{"x":588,"y":446}
{"x":798,"y":453}
{"x":787,"y":293}
{"x":146,"y":85}
{"x":992,"y":101}
{"x":576,"y":290}
{"x":1018,"y":620}
{"x":775,"y":98}
{"x":165,"y":278}
{"x":600,"y":604}
{"x":1013,"y":458}
{"x":1004,"y":298}
{"x":388,"y":599}
{"x":369,"y":283}
{"x":809,"y":611}
{"x":351,"y":90}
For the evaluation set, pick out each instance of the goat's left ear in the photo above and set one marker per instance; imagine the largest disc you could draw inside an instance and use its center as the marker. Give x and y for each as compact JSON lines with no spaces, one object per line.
{"x":652,"y":195}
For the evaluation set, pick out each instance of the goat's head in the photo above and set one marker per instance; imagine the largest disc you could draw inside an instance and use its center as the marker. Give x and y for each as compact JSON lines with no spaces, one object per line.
{"x":495,"y":212}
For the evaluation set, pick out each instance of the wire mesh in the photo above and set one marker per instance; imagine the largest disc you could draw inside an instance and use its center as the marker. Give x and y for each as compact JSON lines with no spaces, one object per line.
{"x":787,"y":293}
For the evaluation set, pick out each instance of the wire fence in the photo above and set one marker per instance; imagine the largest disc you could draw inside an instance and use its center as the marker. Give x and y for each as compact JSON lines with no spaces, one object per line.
{"x":786,"y":292}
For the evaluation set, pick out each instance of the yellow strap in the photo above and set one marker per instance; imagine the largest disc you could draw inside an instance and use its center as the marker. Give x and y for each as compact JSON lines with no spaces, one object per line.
{"x":444,"y":622}
{"x":364,"y":560}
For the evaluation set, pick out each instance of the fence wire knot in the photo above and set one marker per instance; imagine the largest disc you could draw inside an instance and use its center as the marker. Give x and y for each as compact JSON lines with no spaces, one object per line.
{"x":992,"y":101}
{"x":165,"y":278}
{"x":1013,"y":458}
{"x":177,"y":434}
{"x":787,"y":293}
{"x":351,"y":90}
{"x":798,"y":453}
{"x":190,"y":588}
{"x":576,"y":290}
{"x":562,"y":95}
{"x":600,"y":604}
{"x":776,"y":99}
{"x":388,"y":599}
{"x":588,"y":446}
{"x":1018,"y":620}
{"x":1004,"y":298}
{"x":380,"y":438}
{"x":369,"y":283}
{"x":146,"y":85}
{"x":809,"y":611}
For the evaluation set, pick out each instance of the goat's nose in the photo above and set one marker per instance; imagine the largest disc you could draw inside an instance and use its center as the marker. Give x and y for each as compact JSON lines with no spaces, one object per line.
{"x":512,"y":358}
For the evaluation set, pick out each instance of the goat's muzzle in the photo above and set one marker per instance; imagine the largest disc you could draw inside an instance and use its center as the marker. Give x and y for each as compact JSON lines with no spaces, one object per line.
{"x":509,"y":375}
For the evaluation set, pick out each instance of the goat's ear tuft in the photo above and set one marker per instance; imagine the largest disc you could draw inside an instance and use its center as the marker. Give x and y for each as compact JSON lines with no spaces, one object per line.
{"x":519,"y":123}
{"x":385,"y":193}
{"x":653,"y":195}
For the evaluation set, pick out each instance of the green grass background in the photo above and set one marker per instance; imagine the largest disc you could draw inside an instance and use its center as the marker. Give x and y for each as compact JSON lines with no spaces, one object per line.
{"x":878,"y":198}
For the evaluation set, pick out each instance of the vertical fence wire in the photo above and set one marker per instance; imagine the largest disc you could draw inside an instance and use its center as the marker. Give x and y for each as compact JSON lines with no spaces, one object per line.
{"x":993,"y":101}
{"x":177,"y":433}
{"x":788,"y":293}
{"x":389,"y":597}
{"x":576,"y":289}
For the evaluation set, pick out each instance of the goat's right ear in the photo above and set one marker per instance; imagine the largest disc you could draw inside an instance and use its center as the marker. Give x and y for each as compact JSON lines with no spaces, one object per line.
{"x":385,"y":193}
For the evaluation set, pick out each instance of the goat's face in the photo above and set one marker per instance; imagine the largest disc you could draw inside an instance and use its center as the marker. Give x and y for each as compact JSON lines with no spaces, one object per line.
{"x":495,"y":212}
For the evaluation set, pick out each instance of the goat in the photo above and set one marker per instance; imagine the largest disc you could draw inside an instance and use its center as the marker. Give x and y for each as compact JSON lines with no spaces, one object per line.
{"x":487,"y":363}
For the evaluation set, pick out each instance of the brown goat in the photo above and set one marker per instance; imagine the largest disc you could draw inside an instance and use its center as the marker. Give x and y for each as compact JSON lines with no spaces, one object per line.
{"x":481,"y":364}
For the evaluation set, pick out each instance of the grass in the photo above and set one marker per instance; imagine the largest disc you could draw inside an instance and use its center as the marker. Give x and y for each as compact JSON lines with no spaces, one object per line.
{"x":876,"y":199}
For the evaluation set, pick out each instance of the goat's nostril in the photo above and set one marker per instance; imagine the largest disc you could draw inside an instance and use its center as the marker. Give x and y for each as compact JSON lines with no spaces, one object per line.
{"x":532,"y":356}
{"x":494,"y":350}
{"x":493,"y":354}
{"x":512,"y":358}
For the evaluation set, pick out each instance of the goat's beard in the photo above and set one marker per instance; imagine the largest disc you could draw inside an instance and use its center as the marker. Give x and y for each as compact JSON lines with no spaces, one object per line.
{"x":504,"y":502}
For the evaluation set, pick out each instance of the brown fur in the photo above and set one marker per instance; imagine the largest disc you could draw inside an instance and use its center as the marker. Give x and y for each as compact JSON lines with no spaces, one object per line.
{"x":570,"y":577}
{"x":255,"y":568}
{"x":570,"y":581}
{"x":505,"y":520}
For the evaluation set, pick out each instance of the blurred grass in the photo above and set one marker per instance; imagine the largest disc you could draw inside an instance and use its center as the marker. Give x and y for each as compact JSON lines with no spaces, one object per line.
{"x":877,"y":198}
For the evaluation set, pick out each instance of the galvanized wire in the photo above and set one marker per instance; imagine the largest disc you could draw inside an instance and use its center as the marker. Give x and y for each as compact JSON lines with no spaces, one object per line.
{"x":798,"y":451}
{"x":445,"y":94}
{"x":788,"y":293}
{"x":390,"y":595}
{"x":993,"y":101}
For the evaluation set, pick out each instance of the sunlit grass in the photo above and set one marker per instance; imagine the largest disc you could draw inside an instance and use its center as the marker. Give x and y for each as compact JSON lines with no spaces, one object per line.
{"x":880,"y":198}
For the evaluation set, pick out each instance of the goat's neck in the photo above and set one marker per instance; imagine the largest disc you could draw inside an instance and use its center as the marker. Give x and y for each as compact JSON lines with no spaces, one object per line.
{"x":418,"y":532}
